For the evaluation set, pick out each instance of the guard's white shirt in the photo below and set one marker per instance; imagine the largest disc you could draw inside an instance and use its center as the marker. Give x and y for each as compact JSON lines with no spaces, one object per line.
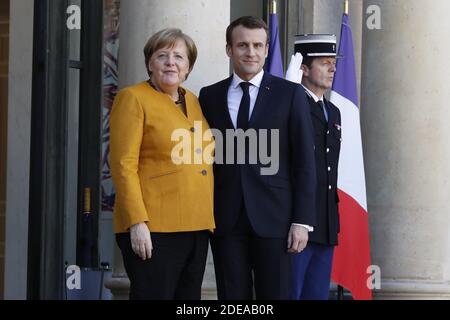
{"x":316,"y":99}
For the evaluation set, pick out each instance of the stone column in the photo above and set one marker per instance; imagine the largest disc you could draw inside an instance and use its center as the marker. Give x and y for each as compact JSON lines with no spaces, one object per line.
{"x":18,"y":148}
{"x":404,"y":114}
{"x":205,"y":22}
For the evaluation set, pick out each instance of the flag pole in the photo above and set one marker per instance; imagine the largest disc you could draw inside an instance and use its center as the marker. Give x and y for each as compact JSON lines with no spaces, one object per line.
{"x":274,"y":60}
{"x":340,"y":289}
{"x":272,"y":7}
{"x":87,"y":201}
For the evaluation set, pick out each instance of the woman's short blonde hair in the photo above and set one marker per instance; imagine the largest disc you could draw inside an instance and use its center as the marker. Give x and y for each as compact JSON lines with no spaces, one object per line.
{"x":167,"y":38}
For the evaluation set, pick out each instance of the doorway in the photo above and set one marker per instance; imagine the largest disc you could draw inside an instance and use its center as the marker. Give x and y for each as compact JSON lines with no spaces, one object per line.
{"x":65,"y":145}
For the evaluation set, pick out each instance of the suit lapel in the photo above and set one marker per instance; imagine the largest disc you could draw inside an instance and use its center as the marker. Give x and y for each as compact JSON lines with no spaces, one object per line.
{"x":189,"y":110}
{"x":175,"y":110}
{"x":332,"y":115}
{"x":189,"y":116}
{"x":262,"y":100}
{"x":222,"y":105}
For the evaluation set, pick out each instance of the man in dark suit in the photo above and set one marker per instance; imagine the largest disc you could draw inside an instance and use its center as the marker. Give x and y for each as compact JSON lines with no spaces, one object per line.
{"x":260,"y":219}
{"x":312,"y":267}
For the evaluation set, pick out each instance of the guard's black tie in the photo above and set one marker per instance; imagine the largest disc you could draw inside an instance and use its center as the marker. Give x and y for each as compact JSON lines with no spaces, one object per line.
{"x":325,"y":109}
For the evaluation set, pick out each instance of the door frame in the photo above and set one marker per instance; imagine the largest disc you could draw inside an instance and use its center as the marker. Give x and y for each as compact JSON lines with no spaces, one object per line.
{"x":48,"y":155}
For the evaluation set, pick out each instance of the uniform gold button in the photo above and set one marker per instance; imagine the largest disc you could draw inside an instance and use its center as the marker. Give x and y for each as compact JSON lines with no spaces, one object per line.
{"x":328,"y":150}
{"x":329,"y":187}
{"x":329,"y":168}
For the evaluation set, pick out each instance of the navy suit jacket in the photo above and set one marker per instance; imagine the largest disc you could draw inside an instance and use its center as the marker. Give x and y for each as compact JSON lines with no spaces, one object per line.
{"x":272,"y":202}
{"x":327,"y":136}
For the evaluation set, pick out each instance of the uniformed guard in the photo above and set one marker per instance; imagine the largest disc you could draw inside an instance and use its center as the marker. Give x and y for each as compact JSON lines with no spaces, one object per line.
{"x":312,"y":266}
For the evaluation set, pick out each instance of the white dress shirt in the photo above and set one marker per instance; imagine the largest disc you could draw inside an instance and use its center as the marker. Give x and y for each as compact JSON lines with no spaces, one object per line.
{"x":234,"y":100}
{"x":235,"y":95}
{"x":316,"y":99}
{"x":312,"y":94}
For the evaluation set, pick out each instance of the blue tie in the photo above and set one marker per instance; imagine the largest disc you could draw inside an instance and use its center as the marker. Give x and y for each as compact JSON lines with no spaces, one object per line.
{"x":324,"y":109}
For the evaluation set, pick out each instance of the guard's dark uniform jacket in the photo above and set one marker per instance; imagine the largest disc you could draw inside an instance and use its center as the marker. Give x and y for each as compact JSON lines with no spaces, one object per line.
{"x":327,"y":139}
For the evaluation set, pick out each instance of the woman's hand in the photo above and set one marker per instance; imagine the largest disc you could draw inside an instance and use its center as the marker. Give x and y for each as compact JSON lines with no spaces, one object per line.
{"x":141,"y":243}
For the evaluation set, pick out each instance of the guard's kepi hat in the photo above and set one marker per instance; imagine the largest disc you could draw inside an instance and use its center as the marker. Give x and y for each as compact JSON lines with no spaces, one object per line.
{"x":316,"y":45}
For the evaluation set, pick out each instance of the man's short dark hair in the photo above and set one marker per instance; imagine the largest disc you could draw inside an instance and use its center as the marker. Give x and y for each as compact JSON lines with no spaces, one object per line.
{"x":308,"y":61}
{"x":248,"y":22}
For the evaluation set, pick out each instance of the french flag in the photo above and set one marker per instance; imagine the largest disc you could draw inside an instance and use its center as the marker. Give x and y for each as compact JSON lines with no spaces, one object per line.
{"x":352,"y":256}
{"x":274,"y":62}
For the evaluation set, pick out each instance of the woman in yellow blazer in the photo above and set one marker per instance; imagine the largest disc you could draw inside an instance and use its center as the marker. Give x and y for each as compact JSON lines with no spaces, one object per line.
{"x":164,"y":198}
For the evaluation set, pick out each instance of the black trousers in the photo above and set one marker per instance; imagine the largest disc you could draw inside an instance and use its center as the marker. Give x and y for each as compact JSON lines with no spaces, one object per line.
{"x":175,"y":270}
{"x":243,"y":259}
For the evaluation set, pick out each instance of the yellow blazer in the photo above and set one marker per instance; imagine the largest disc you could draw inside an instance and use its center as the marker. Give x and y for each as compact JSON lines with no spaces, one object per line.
{"x":150,"y":186}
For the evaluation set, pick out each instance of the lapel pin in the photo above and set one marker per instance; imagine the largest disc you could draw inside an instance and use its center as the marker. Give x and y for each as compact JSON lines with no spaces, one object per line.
{"x":337,"y":126}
